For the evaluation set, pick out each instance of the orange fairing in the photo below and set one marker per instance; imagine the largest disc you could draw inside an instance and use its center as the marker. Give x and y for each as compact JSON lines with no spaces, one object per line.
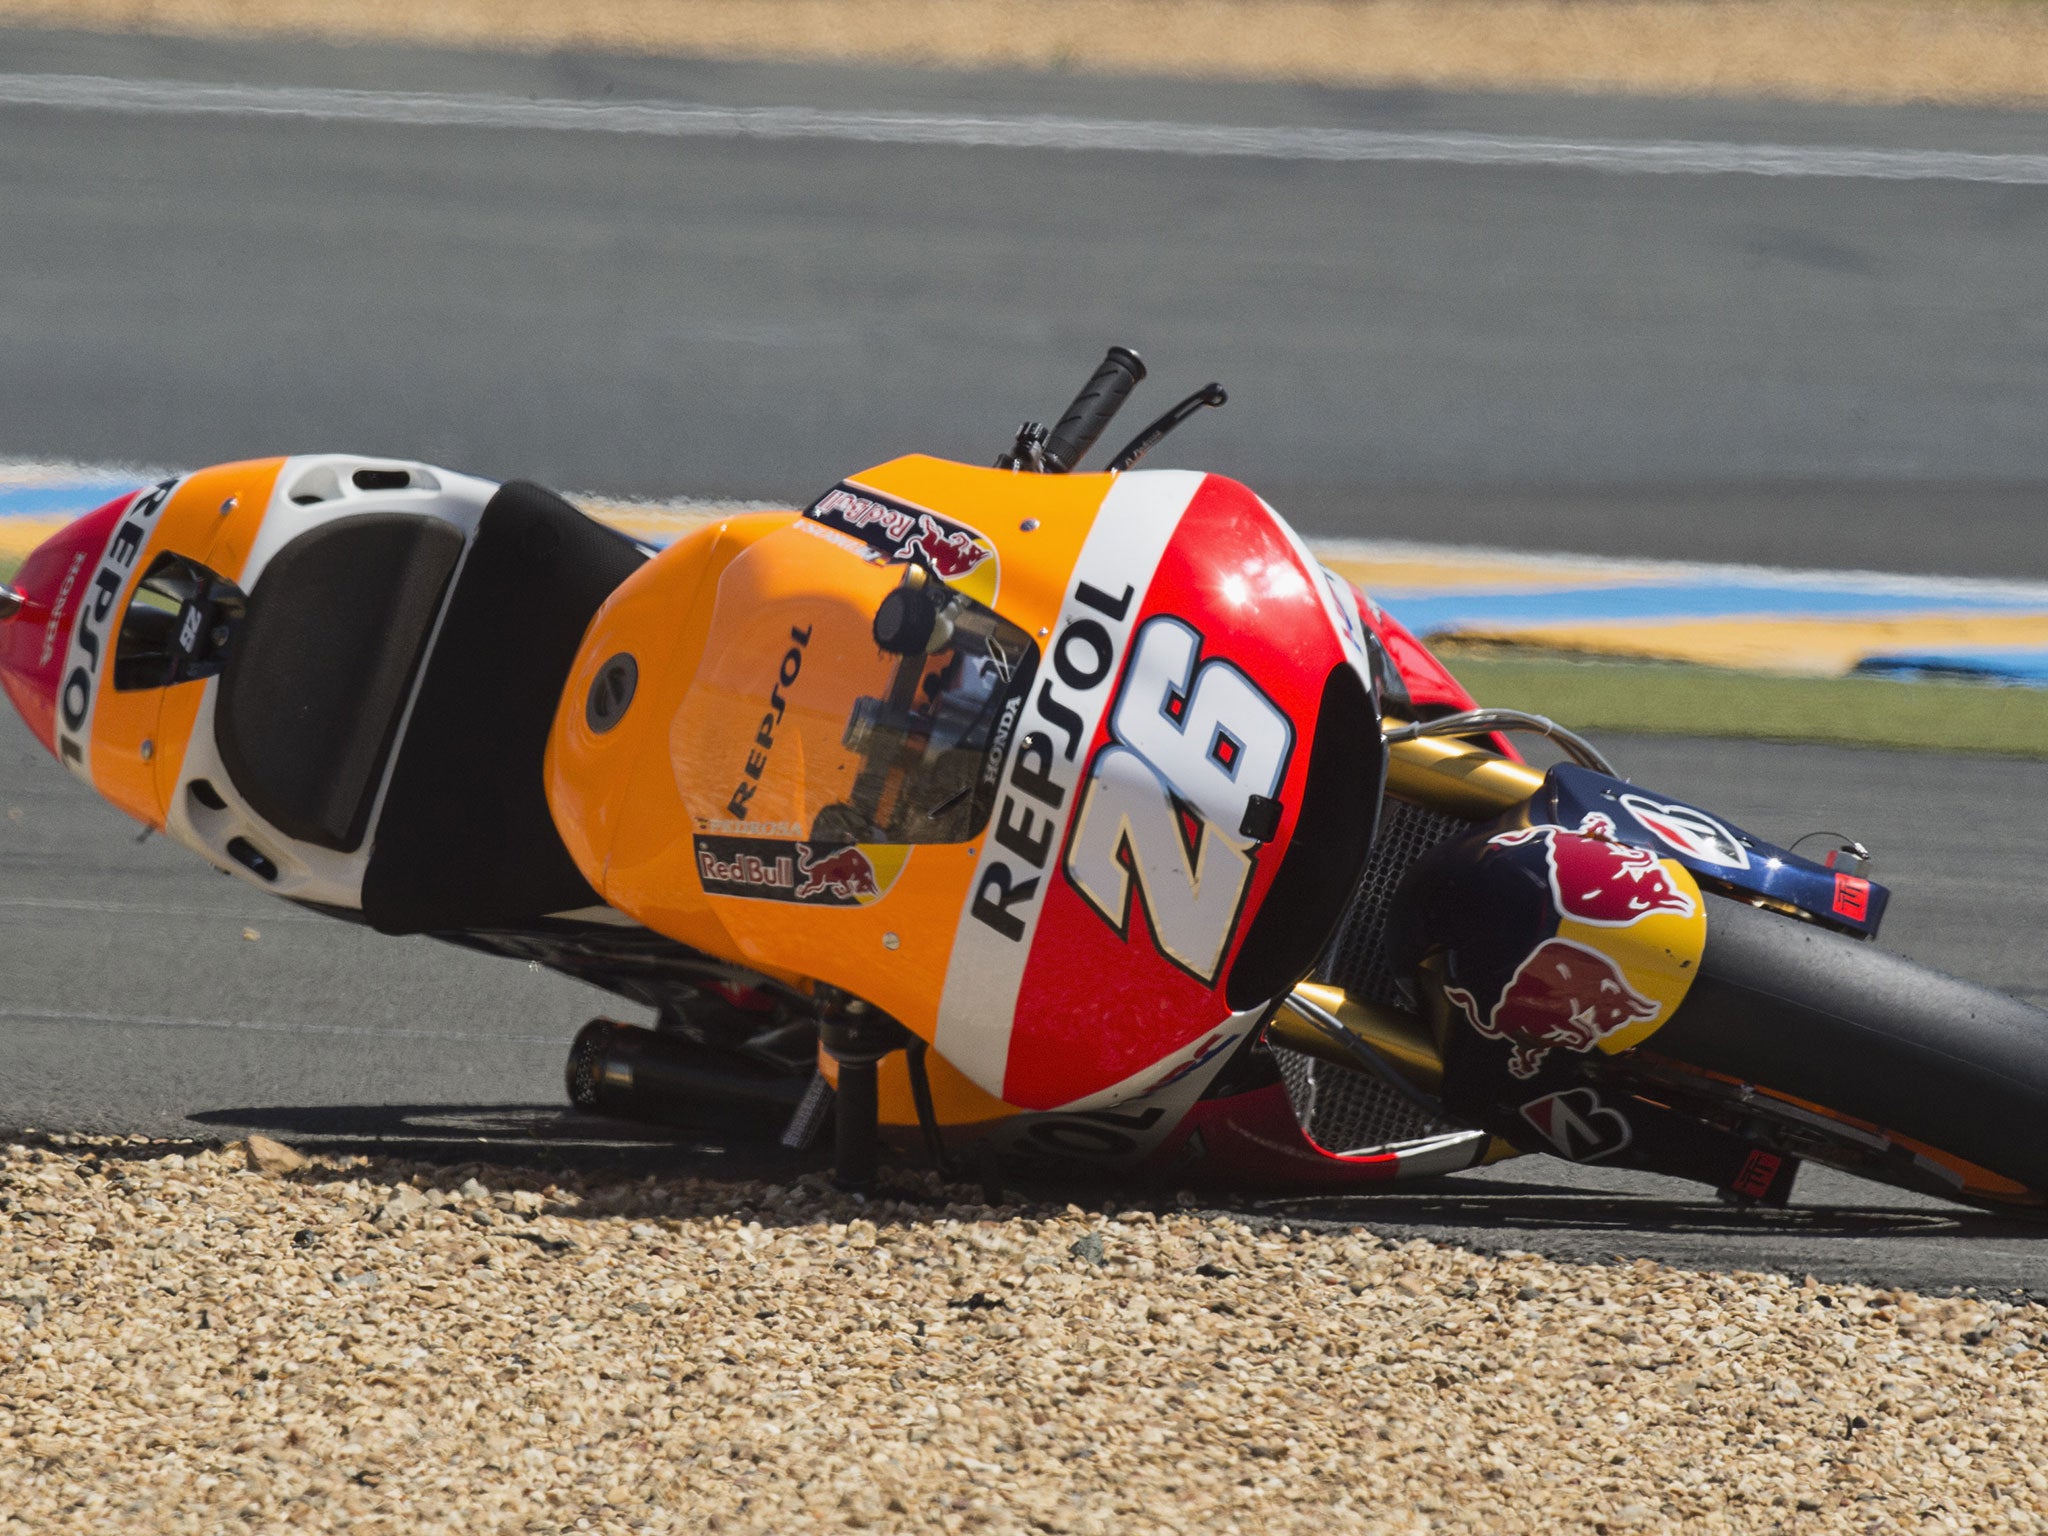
{"x":758,"y":747}
{"x":784,"y":790}
{"x":658,"y":620}
{"x":139,"y":737}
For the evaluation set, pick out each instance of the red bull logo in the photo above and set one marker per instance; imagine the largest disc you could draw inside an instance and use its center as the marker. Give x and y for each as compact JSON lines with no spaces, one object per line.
{"x":1599,"y":880}
{"x":1563,"y":996}
{"x":950,"y":554}
{"x":896,"y":531}
{"x":844,"y":873}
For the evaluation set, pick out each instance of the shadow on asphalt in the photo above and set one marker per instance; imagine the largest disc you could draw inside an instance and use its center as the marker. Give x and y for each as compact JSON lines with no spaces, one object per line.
{"x":544,"y":1137}
{"x":518,"y":1135}
{"x":1557,"y":1209}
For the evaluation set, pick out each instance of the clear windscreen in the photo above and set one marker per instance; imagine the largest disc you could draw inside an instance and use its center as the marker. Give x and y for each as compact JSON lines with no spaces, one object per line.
{"x":931,"y":749}
{"x":799,"y":724}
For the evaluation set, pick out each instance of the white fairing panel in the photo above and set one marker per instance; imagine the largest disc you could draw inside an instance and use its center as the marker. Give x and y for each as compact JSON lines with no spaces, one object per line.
{"x":312,"y":491}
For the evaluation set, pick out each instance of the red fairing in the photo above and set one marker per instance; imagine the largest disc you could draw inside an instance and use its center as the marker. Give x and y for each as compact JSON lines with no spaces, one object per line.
{"x":33,"y":643}
{"x":1253,"y":1141}
{"x":1428,"y":682}
{"x":1149,"y":902}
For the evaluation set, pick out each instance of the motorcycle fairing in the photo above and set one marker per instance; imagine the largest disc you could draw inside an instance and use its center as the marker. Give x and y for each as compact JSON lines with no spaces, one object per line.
{"x":1716,"y":852}
{"x":900,"y":533}
{"x":127,"y":743}
{"x":1538,"y":939}
{"x":57,"y":579}
{"x":1254,"y":1140}
{"x":629,"y":801}
{"x":1142,"y":760}
{"x":337,"y":571}
{"x":798,"y":726}
{"x":973,"y":943}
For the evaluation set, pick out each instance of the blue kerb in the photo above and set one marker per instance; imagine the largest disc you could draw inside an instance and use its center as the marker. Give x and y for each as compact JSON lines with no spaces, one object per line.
{"x":1986,"y":664}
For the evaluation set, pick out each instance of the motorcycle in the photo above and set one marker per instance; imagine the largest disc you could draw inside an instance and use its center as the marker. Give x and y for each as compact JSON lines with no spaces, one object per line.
{"x":1015,"y":818}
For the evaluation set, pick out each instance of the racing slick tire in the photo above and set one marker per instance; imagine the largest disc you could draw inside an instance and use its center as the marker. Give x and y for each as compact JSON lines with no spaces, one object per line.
{"x":1811,"y":1015}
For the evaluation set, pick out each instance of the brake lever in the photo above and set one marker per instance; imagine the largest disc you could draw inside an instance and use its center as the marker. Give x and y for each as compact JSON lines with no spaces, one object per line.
{"x":1209,"y":394}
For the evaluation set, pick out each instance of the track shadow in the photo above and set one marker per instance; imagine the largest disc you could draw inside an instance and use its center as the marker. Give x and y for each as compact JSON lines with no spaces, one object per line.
{"x":547,"y":1137}
{"x":1555,"y":1208}
{"x":517,"y":1135}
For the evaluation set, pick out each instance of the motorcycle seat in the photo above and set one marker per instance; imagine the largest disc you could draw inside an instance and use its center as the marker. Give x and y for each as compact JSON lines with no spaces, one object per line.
{"x":318,"y":678}
{"x":465,"y":839}
{"x":312,"y":706}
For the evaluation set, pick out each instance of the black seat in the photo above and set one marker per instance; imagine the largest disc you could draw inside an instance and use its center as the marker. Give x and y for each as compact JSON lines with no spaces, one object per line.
{"x":465,"y":839}
{"x":319,"y":673}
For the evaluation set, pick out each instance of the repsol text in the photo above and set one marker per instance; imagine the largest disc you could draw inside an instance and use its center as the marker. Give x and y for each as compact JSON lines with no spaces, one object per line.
{"x":91,"y":633}
{"x":791,"y":667}
{"x":1045,"y":766}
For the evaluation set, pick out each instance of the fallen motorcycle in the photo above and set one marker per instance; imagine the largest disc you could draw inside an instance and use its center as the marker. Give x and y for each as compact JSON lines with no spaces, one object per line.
{"x":1009,"y":817}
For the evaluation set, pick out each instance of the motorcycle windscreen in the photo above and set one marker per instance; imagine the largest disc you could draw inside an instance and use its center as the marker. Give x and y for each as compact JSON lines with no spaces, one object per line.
{"x":800,"y":725}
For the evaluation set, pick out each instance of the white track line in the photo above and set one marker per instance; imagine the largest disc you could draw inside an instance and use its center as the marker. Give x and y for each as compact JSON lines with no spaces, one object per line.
{"x":657,"y":119}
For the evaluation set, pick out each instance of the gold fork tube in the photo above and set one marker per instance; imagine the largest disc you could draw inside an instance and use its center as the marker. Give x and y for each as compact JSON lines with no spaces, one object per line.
{"x":1401,"y":1040}
{"x":1448,"y":774}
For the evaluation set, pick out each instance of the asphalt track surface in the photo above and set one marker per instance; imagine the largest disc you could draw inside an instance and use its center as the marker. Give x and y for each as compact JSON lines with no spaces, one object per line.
{"x":1545,"y":343}
{"x":142,"y":992}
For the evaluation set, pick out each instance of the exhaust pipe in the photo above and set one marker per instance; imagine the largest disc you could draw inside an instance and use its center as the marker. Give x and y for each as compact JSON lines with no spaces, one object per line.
{"x":631,"y":1073}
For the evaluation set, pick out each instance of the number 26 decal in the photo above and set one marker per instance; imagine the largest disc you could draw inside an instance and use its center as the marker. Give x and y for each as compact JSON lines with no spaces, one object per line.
{"x":1162,"y":813}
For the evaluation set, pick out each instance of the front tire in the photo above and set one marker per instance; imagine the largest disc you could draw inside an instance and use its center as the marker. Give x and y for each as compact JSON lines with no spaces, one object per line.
{"x":1810,"y":1015}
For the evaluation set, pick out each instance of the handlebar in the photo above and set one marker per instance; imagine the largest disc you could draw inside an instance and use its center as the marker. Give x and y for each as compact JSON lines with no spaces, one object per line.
{"x":1093,"y":409}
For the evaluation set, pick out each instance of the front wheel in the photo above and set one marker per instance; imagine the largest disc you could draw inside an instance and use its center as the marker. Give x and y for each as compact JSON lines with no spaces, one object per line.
{"x":1808,"y":1026}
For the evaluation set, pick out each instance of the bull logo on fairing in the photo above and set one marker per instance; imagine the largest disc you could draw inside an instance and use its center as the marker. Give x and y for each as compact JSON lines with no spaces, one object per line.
{"x":1564,"y":996}
{"x":950,"y":555}
{"x":1599,"y":880}
{"x":844,"y":873}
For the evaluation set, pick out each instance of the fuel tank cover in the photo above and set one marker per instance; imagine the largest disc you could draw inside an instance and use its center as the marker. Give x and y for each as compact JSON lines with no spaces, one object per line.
{"x":611,"y":692}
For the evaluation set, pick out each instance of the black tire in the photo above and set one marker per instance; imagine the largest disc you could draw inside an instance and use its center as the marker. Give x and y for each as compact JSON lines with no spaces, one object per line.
{"x":1784,"y":1005}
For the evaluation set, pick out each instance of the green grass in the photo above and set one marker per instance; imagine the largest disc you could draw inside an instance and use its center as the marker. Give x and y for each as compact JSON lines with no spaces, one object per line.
{"x":1672,"y":698}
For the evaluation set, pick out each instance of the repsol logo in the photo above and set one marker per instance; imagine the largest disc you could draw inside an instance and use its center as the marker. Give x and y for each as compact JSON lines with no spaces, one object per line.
{"x":92,"y":631}
{"x":1046,"y":766}
{"x":791,"y":668}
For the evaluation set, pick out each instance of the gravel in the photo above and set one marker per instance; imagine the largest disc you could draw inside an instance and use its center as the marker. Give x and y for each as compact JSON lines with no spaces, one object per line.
{"x":188,"y":1343}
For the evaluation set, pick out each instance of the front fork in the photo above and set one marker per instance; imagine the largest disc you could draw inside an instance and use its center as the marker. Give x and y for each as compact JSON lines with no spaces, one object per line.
{"x":1522,"y":998}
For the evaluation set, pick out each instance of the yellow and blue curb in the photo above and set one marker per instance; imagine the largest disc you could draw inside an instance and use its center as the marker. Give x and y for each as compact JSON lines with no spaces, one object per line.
{"x":1756,"y":618}
{"x":38,"y":499}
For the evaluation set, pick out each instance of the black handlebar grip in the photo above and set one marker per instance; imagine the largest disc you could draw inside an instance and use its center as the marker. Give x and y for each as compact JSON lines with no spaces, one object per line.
{"x":1093,"y":409}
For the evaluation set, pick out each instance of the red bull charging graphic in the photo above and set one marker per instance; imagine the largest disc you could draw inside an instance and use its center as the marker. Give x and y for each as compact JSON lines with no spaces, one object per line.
{"x":897,"y":532}
{"x":1599,"y":880}
{"x":950,"y":552}
{"x":846,"y":874}
{"x":1563,"y":996}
